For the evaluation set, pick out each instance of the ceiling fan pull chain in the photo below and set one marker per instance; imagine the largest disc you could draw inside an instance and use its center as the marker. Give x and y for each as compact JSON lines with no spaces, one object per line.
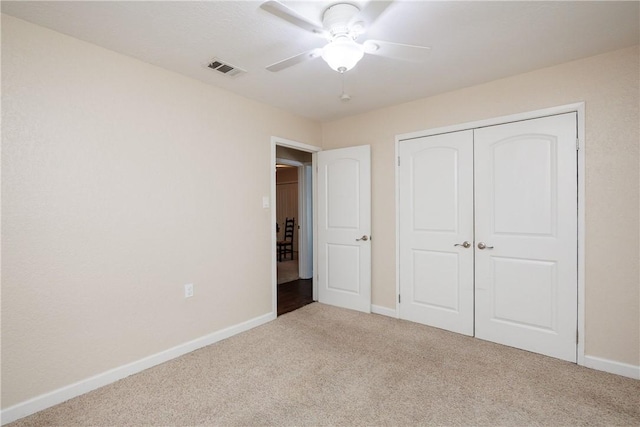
{"x":344,"y":97}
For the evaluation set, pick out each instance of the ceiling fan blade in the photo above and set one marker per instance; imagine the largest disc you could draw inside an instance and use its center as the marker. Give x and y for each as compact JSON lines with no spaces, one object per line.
{"x":371,"y":11}
{"x":302,"y":57}
{"x":405,"y":52}
{"x":281,"y":11}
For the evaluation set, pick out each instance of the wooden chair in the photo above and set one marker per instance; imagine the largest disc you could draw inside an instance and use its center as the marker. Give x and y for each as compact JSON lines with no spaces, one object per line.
{"x":285,"y":246}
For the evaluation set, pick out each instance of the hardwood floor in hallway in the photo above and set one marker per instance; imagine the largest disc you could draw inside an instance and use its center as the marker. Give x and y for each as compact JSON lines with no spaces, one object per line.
{"x":295,"y":294}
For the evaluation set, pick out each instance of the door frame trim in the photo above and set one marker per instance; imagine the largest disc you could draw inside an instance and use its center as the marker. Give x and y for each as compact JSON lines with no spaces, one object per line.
{"x":283,"y":142}
{"x":579,"y":108}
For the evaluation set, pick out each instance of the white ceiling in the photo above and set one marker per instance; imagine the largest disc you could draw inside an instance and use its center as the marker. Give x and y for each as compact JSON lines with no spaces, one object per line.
{"x":472,"y":42}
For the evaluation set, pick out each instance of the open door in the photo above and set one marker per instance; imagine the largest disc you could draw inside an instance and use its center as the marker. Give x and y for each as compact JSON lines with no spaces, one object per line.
{"x":344,"y":227}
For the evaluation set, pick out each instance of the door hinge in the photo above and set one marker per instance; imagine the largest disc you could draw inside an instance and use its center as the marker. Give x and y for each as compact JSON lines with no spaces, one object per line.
{"x":399,"y":299}
{"x":577,"y":144}
{"x":398,"y":160}
{"x":577,"y":341}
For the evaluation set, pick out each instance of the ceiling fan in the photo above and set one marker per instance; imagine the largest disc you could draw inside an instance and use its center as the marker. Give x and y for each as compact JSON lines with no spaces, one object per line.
{"x":342,"y":24}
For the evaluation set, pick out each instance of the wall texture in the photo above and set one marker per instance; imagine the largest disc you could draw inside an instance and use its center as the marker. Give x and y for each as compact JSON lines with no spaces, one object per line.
{"x":115,"y":193}
{"x":610,"y":85}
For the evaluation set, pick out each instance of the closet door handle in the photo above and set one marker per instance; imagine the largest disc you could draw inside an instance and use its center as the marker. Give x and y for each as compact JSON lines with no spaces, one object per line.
{"x":464,"y":244}
{"x":481,"y":246}
{"x":364,"y":238}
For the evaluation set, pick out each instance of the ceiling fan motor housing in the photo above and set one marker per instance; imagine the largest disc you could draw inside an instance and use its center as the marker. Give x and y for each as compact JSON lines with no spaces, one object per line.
{"x":336,"y":20}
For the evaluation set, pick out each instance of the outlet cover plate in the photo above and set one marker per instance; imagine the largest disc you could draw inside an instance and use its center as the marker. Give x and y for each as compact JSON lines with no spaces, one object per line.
{"x":188,"y":290}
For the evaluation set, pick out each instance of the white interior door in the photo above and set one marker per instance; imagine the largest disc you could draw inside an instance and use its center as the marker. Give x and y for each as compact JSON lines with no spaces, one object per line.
{"x":436,"y":231}
{"x":344,"y":227}
{"x":526,"y":235}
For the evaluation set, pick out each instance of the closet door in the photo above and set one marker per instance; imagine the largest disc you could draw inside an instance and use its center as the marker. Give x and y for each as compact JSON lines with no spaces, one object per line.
{"x":526,"y":235}
{"x":436,"y":231}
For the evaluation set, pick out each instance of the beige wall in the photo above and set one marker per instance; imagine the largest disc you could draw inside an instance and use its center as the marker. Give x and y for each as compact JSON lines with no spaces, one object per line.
{"x":115,"y":193}
{"x":609,"y":85}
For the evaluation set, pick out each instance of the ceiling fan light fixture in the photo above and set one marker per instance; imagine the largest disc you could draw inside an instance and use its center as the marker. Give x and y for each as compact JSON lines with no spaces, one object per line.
{"x":342,"y":53}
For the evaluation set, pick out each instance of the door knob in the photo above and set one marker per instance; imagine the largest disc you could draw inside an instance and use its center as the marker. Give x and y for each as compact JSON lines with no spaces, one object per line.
{"x":481,"y":245}
{"x":464,"y":244}
{"x":364,"y":238}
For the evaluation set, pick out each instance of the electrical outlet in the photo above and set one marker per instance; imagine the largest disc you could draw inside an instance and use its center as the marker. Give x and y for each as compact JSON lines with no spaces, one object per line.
{"x":188,"y":290}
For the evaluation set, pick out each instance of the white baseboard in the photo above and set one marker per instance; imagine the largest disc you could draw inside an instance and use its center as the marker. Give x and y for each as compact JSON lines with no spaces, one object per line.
{"x":378,"y":309}
{"x":612,"y":367}
{"x":60,"y":395}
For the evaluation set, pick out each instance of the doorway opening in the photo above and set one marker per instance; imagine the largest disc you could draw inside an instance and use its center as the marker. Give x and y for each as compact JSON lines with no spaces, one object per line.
{"x":287,"y":220}
{"x":292,"y":215}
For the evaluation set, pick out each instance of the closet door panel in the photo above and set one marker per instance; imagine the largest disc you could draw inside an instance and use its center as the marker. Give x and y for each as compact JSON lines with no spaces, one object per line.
{"x":526,"y":235}
{"x":436,"y":217}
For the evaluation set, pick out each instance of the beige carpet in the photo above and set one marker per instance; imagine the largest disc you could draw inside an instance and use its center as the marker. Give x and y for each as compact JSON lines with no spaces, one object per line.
{"x":322,"y":365}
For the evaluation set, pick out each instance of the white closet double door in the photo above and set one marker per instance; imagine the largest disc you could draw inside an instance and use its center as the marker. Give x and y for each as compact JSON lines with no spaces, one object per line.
{"x":488,"y":233}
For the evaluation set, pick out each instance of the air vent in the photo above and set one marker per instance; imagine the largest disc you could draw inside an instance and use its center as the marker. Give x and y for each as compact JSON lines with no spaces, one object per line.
{"x":225,"y":68}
